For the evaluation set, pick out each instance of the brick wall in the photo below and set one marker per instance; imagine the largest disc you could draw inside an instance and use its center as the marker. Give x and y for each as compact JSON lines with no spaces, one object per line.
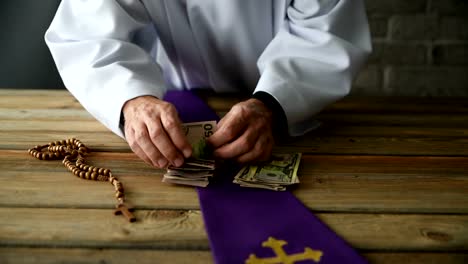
{"x":420,"y":49}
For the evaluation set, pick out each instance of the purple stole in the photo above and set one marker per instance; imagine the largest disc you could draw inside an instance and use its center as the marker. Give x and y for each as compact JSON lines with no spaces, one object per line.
{"x":252,"y":226}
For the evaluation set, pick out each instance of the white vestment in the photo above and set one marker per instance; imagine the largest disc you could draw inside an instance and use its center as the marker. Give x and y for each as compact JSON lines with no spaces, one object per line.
{"x":304,"y":53}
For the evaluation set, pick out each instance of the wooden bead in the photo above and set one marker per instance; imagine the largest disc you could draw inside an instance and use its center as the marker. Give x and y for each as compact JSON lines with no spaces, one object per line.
{"x":102,"y":178}
{"x":120,"y":188}
{"x":72,"y":152}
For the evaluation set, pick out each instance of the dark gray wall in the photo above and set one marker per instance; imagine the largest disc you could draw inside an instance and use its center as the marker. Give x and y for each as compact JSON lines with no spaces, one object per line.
{"x":420,"y":48}
{"x":25,"y":61}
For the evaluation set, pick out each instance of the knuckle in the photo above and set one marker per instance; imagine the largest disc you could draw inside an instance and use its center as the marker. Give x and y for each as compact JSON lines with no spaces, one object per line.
{"x":245,"y":143}
{"x":133,"y":145}
{"x":139,"y":136}
{"x":228,"y":132}
{"x":170,"y":124}
{"x":168,"y":108}
{"x":156,"y":132}
{"x":238,"y":110}
{"x":154,"y":154}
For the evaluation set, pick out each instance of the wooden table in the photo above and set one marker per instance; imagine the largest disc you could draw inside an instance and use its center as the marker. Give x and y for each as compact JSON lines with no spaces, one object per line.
{"x":388,"y":175}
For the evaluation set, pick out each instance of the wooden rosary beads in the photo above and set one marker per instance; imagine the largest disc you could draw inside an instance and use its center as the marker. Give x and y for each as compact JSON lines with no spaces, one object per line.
{"x":72,"y":151}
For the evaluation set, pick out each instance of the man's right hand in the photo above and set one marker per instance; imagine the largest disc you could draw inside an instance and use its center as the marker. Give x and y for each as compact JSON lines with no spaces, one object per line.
{"x":154,"y":131}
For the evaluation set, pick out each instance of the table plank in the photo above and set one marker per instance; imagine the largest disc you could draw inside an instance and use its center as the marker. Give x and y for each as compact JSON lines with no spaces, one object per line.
{"x":93,"y":256}
{"x":348,"y":145}
{"x":85,"y":256}
{"x":184,"y":230}
{"x":27,"y":118}
{"x":328,"y":183}
{"x":417,"y":258}
{"x":16,"y":98}
{"x":22,"y":116}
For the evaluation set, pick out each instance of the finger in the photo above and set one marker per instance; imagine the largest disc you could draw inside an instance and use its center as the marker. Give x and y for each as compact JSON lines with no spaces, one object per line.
{"x":260,"y":152}
{"x":228,"y":129}
{"x":239,"y":146}
{"x":173,"y":127}
{"x":141,"y":154}
{"x":163,"y":143}
{"x":150,"y":149}
{"x":141,"y":144}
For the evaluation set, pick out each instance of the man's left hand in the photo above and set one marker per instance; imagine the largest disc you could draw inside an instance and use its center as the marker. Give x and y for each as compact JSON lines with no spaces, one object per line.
{"x":245,"y":133}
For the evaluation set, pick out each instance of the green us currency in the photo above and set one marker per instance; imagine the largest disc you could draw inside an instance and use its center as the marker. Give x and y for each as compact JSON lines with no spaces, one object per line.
{"x":196,"y":134}
{"x":196,"y":170}
{"x":279,"y":172}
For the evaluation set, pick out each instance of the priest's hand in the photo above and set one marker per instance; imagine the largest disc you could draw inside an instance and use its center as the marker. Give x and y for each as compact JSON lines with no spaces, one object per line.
{"x":154,"y":132}
{"x":245,"y":133}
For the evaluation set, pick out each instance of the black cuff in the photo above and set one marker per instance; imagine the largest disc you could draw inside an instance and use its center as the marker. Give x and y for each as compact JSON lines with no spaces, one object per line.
{"x":122,"y":123}
{"x":280,"y":122}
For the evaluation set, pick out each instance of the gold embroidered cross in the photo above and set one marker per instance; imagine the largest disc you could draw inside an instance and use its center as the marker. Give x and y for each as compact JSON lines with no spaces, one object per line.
{"x":281,"y":256}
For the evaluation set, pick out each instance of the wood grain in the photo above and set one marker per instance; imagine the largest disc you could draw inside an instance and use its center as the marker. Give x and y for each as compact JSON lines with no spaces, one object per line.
{"x":93,"y":256}
{"x":29,"y":120}
{"x":27,"y":114}
{"x":124,"y":256}
{"x":321,"y":144}
{"x":15,"y":98}
{"x":161,"y":229}
{"x":390,"y":175}
{"x":328,"y":183}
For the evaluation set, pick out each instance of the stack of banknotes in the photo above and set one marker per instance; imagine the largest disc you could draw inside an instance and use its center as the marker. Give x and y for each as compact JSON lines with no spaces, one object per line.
{"x":198,"y":169}
{"x":276,"y":174}
{"x":194,"y":172}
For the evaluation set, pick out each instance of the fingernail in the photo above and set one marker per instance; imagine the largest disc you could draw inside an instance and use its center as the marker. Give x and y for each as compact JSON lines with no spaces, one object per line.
{"x":187,"y":152}
{"x":162,"y":163}
{"x":178,"y":162}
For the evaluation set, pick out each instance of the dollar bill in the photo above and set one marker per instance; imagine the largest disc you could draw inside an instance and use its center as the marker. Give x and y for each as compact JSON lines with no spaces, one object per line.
{"x":196,"y":134}
{"x":186,"y":182}
{"x":197,"y":169}
{"x":279,"y":172}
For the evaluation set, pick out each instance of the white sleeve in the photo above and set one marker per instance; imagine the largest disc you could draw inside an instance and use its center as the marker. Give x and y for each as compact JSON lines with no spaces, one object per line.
{"x":313,"y":58}
{"x":90,"y":41}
